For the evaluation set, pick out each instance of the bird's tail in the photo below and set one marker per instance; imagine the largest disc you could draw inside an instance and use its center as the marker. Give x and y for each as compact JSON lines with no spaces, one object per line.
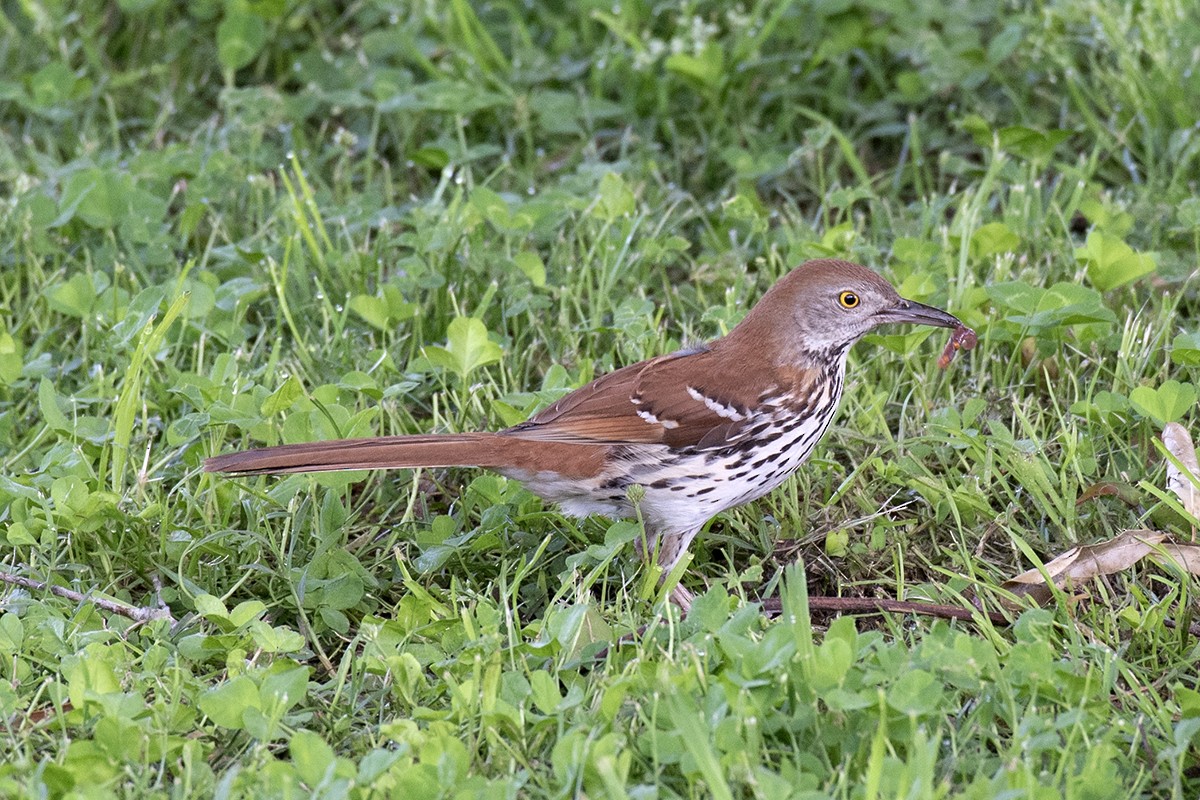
{"x":385,"y":452}
{"x":508,"y":454}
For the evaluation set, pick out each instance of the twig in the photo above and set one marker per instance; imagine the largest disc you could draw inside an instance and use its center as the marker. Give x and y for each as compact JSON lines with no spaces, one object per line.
{"x":135,"y":613}
{"x":772,"y":606}
{"x":159,"y":603}
{"x":1193,"y":628}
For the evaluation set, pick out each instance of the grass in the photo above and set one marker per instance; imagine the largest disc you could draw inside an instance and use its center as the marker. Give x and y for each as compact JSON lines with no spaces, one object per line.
{"x":233,"y":223}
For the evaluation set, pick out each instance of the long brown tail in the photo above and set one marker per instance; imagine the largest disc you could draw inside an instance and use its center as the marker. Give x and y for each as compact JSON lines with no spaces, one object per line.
{"x":384,"y":452}
{"x":489,"y":450}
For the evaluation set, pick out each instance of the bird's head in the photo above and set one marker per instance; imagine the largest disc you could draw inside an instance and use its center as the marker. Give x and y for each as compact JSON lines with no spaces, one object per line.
{"x":822,"y":307}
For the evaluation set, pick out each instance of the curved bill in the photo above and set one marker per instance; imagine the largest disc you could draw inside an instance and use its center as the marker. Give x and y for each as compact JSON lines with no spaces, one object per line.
{"x":918,"y":314}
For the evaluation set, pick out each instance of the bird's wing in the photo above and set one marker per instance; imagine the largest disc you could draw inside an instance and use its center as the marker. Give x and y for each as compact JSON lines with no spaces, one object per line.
{"x":674,"y":400}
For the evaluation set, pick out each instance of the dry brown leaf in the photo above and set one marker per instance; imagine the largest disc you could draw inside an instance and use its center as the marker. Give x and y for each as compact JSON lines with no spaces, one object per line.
{"x":1179,"y":444}
{"x":1122,"y":491}
{"x":1080,"y":564}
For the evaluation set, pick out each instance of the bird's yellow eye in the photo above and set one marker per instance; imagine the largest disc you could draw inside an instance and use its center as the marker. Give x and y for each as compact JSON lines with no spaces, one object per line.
{"x":848,"y":299}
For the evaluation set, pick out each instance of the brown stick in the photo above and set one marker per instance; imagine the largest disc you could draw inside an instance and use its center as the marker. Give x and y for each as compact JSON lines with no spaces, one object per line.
{"x":1193,"y":629}
{"x":772,"y":606}
{"x":135,"y":613}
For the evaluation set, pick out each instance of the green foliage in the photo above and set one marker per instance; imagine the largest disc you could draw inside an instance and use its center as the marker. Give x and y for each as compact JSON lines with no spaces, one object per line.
{"x":1185,"y":350}
{"x":467,"y":348}
{"x":1170,"y":402}
{"x":236,"y":222}
{"x":1035,"y":310}
{"x":1111,"y":263}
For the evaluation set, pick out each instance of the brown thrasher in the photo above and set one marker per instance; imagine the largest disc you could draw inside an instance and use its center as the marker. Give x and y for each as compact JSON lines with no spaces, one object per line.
{"x":700,"y":431}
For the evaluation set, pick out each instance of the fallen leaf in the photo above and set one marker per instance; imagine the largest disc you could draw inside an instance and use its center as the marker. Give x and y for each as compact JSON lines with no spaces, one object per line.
{"x":1122,"y":491}
{"x":1179,"y":444}
{"x":39,"y":715}
{"x":1083,"y":563}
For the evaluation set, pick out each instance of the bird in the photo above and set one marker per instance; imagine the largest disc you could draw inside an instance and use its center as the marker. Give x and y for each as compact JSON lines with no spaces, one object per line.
{"x":676,"y":439}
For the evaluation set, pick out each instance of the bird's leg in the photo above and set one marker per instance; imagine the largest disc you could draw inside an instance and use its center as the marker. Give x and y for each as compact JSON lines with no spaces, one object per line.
{"x":672,"y":547}
{"x":664,"y":546}
{"x":647,"y":543}
{"x":681,"y":597}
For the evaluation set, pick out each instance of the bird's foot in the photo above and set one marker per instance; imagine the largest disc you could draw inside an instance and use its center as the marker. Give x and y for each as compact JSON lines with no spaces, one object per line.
{"x":682,"y":598}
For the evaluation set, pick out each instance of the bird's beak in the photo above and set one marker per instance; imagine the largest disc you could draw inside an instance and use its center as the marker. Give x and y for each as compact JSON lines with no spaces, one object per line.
{"x":918,"y":314}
